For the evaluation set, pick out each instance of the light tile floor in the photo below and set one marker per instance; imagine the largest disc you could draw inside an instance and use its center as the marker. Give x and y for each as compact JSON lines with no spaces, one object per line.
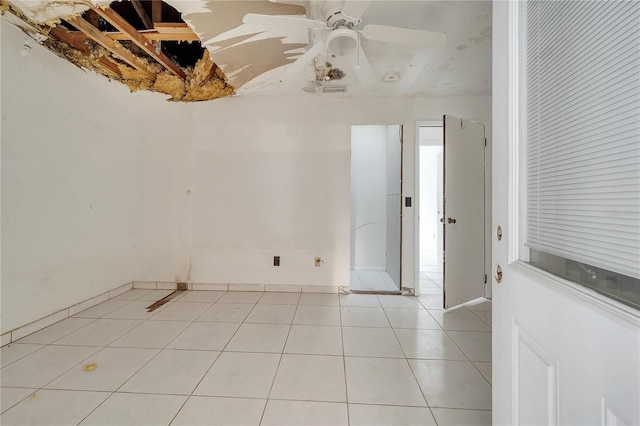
{"x":430,"y":274}
{"x":367,"y":280}
{"x":215,"y":358}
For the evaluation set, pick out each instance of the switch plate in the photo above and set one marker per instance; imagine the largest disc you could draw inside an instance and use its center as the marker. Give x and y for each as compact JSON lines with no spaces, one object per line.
{"x":407,"y":201}
{"x":276,"y":260}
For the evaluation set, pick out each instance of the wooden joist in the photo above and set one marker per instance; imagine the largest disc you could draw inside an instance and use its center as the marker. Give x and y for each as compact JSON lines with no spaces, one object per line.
{"x":142,"y":14}
{"x":112,"y":46}
{"x":212,"y":73}
{"x":172,"y":28}
{"x":156,"y":10}
{"x":123,"y":26}
{"x":156,"y":16}
{"x":67,"y":36}
{"x":151,"y":35}
{"x":154,"y":35}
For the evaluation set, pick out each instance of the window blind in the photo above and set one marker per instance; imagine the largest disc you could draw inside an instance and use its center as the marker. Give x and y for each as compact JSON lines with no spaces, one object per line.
{"x":582,"y":131}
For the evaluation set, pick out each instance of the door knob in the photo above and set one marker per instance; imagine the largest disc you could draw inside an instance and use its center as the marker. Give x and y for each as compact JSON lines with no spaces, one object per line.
{"x":442,"y":220}
{"x":449,"y":220}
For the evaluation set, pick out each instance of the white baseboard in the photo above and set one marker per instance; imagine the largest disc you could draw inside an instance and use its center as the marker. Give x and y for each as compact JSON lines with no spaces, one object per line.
{"x":25,"y":330}
{"x":152,"y":285}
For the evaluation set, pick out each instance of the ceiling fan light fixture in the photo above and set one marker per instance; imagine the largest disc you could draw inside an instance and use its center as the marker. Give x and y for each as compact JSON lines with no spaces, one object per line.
{"x":334,"y":89}
{"x":343,"y":42}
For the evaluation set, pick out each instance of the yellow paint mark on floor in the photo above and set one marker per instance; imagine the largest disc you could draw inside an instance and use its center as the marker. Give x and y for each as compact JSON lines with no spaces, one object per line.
{"x":90,"y":367}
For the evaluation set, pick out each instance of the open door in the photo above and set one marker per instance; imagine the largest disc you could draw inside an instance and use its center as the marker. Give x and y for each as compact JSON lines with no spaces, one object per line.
{"x":463,"y":219}
{"x":563,"y":354}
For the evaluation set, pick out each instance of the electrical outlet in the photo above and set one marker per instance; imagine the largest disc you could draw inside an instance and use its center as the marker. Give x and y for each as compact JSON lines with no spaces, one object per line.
{"x":318,"y":262}
{"x":276,"y":260}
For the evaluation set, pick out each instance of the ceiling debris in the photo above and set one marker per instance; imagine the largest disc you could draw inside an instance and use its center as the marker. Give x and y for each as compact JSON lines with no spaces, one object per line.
{"x":143,"y":44}
{"x":245,"y":52}
{"x":198,"y":50}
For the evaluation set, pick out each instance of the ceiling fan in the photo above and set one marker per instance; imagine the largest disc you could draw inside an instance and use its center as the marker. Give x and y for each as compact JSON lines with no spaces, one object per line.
{"x":340,"y":35}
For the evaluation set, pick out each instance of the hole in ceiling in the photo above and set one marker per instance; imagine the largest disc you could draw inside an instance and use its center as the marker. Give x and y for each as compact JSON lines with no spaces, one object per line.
{"x":183,"y":53}
{"x":143,"y":44}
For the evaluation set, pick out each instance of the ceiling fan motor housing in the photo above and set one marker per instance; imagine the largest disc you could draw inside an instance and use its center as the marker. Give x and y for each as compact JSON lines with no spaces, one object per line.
{"x":342,"y":42}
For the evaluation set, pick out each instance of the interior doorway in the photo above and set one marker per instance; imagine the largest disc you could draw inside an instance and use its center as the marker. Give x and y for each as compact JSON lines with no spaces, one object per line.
{"x":376,"y":209}
{"x":431,"y":208}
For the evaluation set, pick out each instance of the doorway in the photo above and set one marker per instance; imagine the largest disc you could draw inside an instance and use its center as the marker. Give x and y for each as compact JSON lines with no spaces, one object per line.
{"x":451,"y":225}
{"x":376,"y":210}
{"x":431,"y":208}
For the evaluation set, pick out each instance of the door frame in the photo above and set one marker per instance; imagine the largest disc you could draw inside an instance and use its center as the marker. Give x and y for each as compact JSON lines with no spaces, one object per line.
{"x":400,"y":201}
{"x":416,"y":202}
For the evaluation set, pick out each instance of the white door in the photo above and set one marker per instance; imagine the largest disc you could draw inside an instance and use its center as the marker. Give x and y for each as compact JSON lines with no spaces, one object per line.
{"x":463,"y":219}
{"x":561,"y":353}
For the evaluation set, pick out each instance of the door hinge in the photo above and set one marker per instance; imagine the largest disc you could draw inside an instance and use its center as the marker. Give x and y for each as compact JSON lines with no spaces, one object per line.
{"x":485,"y":141}
{"x":485,"y":278}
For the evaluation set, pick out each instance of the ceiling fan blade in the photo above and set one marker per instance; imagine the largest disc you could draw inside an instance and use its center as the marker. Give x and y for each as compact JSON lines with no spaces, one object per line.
{"x":283,"y":21}
{"x":362,"y":68}
{"x":354,"y":9}
{"x":405,"y":36}
{"x":297,"y":67}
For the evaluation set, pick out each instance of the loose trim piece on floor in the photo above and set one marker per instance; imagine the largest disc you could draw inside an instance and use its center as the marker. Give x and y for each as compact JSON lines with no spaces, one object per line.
{"x":164,"y":300}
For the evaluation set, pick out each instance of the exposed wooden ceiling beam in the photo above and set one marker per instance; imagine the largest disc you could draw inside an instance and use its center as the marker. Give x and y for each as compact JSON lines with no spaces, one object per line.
{"x":156,"y":36}
{"x":212,"y":73}
{"x":93,"y":18}
{"x":172,"y":28}
{"x":68,"y":37}
{"x":142,"y":14}
{"x":156,"y":16}
{"x":113,"y":46}
{"x":156,"y":10}
{"x":123,"y":26}
{"x":151,"y":35}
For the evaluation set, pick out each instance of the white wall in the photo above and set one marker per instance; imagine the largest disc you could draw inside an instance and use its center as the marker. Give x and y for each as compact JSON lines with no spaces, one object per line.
{"x":268,"y":176}
{"x":369,"y":170}
{"x":68,"y":181}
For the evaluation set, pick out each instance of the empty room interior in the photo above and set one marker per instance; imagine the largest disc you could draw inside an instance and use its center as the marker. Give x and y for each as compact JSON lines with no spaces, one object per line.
{"x":262,"y":213}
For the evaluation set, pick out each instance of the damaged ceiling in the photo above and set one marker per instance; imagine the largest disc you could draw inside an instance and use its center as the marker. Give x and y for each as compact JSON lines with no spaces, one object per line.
{"x":202,"y":50}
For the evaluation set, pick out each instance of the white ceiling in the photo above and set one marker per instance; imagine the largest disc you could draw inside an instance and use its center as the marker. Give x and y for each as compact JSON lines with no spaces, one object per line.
{"x":463,"y":67}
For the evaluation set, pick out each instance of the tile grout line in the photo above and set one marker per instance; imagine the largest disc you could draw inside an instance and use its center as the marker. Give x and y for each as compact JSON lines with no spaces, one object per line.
{"x":344,"y":362}
{"x":216,"y":359}
{"x":135,"y":372}
{"x":159,"y":351}
{"x":264,"y":410}
{"x":244,"y":321}
{"x":77,"y":316}
{"x":409,"y":364}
